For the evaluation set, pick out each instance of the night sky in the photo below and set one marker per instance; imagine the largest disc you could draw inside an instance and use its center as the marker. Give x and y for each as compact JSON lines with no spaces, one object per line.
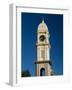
{"x":30,"y":22}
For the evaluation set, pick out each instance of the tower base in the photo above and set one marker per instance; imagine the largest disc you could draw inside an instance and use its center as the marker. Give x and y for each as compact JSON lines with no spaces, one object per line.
{"x":43,"y":68}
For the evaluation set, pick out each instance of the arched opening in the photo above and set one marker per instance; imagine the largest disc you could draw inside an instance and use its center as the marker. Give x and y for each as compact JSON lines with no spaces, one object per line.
{"x":42,"y":72}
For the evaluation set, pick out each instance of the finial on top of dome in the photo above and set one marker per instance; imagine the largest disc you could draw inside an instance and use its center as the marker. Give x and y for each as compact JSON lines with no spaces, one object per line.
{"x":42,"y":19}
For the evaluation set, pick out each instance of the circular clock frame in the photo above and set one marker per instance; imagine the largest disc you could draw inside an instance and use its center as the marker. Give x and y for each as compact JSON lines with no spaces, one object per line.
{"x":42,"y":38}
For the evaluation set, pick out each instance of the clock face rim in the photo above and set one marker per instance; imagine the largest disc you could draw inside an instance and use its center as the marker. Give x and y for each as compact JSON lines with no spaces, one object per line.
{"x":42,"y":37}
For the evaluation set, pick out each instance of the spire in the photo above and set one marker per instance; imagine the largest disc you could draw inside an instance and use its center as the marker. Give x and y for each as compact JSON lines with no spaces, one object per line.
{"x":42,"y":27}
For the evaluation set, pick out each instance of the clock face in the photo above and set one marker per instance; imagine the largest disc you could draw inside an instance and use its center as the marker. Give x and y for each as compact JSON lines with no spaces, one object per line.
{"x":42,"y":38}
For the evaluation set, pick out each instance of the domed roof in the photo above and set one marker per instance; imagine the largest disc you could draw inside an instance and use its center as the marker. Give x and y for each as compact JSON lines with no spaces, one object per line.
{"x":42,"y":27}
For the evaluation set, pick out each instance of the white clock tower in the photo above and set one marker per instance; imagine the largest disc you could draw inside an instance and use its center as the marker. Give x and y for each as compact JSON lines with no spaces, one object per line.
{"x":43,"y":63}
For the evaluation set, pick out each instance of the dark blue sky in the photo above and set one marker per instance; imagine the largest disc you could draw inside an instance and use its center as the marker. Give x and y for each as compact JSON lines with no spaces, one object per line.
{"x":30,"y":22}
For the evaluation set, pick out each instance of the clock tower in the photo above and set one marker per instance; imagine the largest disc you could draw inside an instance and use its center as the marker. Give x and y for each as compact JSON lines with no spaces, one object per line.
{"x":43,"y":62}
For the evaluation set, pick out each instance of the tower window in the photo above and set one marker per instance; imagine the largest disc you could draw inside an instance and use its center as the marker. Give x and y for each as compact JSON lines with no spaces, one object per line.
{"x":42,"y":72}
{"x":42,"y":54}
